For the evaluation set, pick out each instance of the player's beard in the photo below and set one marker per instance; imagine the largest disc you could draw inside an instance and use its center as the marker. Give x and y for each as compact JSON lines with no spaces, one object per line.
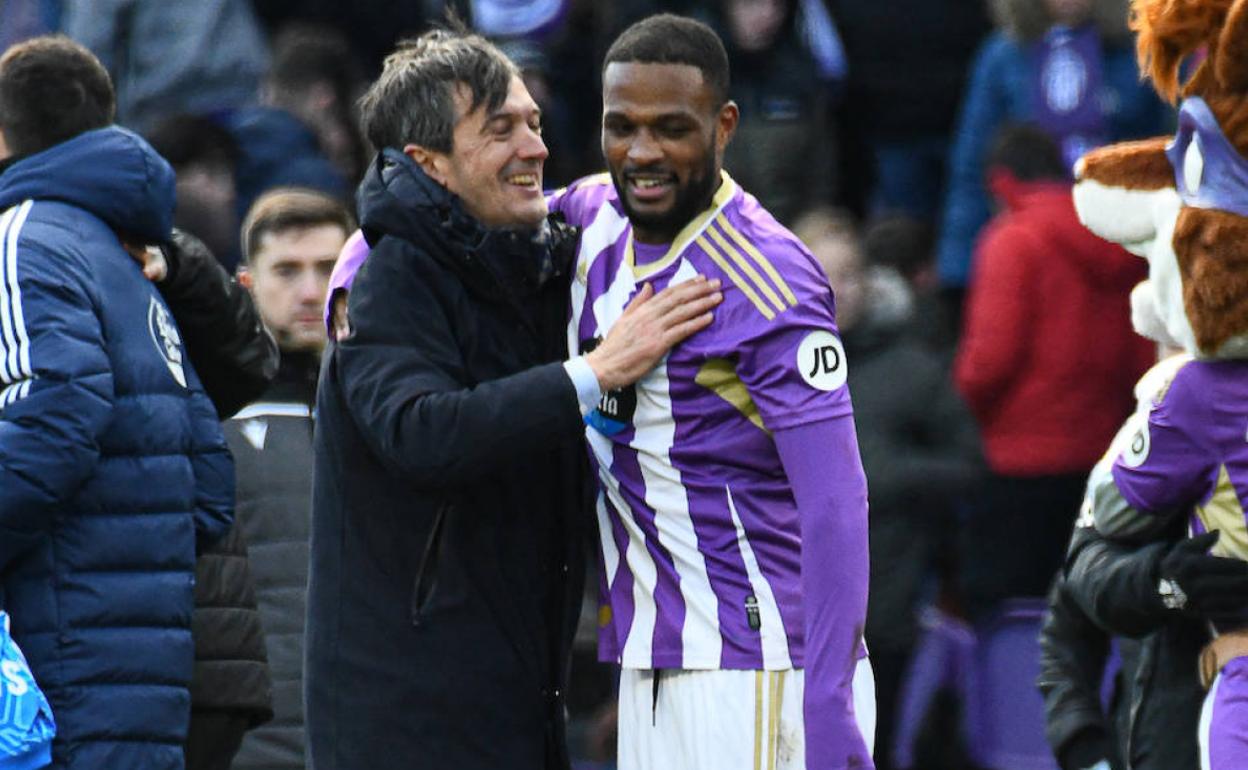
{"x":691,"y":199}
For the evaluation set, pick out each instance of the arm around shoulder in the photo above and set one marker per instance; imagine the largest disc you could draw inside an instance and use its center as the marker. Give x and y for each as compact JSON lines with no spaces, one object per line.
{"x":412,"y":397}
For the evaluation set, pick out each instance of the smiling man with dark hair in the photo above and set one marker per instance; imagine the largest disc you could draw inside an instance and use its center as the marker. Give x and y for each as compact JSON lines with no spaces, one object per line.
{"x":733,"y":506}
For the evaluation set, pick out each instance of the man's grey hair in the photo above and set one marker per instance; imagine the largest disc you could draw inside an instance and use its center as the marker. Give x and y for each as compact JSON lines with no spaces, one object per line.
{"x":413,"y":100}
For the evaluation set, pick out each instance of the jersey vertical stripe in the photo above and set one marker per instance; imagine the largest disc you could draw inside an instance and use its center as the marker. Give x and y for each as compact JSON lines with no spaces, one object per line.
{"x":641,"y":565}
{"x":775,"y":640}
{"x":655,"y":431}
{"x":595,"y":240}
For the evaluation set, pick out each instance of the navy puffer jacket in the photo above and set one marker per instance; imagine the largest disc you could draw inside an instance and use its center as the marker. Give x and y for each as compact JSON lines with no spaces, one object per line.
{"x":112,"y":464}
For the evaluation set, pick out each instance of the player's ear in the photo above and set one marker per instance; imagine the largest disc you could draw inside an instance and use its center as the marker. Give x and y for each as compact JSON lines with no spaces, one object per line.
{"x":726,"y":124}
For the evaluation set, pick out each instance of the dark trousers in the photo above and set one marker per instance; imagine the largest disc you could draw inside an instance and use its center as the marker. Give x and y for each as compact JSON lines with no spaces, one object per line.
{"x":214,"y":738}
{"x":1015,"y":537}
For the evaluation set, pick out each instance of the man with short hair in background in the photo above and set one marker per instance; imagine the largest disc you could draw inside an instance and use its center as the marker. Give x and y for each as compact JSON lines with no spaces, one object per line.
{"x":290,"y":238}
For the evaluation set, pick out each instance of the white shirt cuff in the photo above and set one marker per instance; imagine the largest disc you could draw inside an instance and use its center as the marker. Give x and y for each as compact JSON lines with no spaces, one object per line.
{"x":588,"y":392}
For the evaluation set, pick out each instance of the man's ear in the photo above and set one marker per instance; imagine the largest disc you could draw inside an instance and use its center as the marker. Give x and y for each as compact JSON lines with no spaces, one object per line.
{"x":726,"y":124}
{"x":244,"y":277}
{"x":432,"y":163}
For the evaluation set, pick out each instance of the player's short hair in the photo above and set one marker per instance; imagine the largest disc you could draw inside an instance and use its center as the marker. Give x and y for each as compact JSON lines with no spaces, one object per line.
{"x":285,"y":208}
{"x":413,"y":100}
{"x":1027,"y":152}
{"x":51,"y":90}
{"x":670,"y":39}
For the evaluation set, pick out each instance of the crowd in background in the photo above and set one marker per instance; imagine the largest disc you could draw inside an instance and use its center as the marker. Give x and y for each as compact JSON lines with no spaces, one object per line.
{"x":921,"y":150}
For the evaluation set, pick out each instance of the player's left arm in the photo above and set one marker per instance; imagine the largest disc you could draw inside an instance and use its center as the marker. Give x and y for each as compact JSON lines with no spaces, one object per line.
{"x":822,"y":464}
{"x":794,"y":367}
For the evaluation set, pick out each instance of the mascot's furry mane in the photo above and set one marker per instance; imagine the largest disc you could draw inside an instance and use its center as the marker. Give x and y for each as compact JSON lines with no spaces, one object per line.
{"x":1198,"y":257}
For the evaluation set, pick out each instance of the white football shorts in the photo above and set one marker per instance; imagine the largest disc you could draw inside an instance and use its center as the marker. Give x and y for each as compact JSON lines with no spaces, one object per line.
{"x":723,"y":720}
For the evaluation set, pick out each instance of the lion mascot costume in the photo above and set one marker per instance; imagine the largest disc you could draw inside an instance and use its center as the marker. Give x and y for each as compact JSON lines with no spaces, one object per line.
{"x":1181,"y":202}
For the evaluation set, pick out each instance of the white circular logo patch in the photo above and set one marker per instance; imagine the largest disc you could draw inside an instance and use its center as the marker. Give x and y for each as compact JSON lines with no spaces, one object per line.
{"x":1136,"y":451}
{"x":821,"y":361}
{"x":168,"y":342}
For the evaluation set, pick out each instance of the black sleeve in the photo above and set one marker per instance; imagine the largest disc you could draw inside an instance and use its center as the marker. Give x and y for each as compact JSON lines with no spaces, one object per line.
{"x":233,"y":354}
{"x":404,"y":381}
{"x":1073,"y":651}
{"x":1116,"y":584}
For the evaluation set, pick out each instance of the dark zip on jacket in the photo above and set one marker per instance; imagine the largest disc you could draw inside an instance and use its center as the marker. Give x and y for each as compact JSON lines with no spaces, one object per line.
{"x":426,"y":573}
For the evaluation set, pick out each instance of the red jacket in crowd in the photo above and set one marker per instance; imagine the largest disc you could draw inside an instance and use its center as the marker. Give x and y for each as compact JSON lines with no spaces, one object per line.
{"x":1048,"y":357}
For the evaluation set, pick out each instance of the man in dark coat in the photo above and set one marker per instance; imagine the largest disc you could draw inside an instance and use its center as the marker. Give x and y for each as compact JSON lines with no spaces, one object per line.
{"x":112,"y":464}
{"x":450,"y":495}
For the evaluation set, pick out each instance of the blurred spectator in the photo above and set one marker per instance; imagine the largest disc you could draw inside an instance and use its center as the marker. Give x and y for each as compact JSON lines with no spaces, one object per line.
{"x":172,"y":56}
{"x":304,"y":134}
{"x":372,"y":26}
{"x":783,"y":152}
{"x":919,"y":446}
{"x":1047,"y":401}
{"x":907,"y":66}
{"x":112,"y":464}
{"x":532,"y":19}
{"x":1067,"y":66}
{"x":905,"y":244}
{"x":291,"y":239}
{"x":24,"y":19}
{"x":316,"y":77}
{"x":203,"y":155}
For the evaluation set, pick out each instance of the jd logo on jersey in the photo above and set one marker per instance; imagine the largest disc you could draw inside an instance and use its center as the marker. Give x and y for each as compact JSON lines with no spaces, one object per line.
{"x":616,"y":408}
{"x":821,"y":360}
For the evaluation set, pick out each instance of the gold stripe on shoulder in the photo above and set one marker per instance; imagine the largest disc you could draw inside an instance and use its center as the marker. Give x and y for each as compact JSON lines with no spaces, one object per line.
{"x":747,"y":268}
{"x":758,"y":257}
{"x":732,"y":274}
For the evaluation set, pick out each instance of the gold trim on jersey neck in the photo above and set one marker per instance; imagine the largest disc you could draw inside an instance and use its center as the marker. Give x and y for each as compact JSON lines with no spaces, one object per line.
{"x":727,"y":188}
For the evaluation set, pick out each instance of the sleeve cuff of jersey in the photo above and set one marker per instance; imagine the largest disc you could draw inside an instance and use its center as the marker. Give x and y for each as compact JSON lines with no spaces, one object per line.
{"x":588,"y":392}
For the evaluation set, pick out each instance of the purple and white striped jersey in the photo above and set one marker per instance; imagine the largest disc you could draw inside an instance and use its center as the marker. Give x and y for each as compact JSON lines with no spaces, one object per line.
{"x":700,"y":533}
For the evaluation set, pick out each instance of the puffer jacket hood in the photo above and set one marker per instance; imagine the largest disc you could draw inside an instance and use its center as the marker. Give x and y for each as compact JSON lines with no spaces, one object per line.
{"x":110,"y":172}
